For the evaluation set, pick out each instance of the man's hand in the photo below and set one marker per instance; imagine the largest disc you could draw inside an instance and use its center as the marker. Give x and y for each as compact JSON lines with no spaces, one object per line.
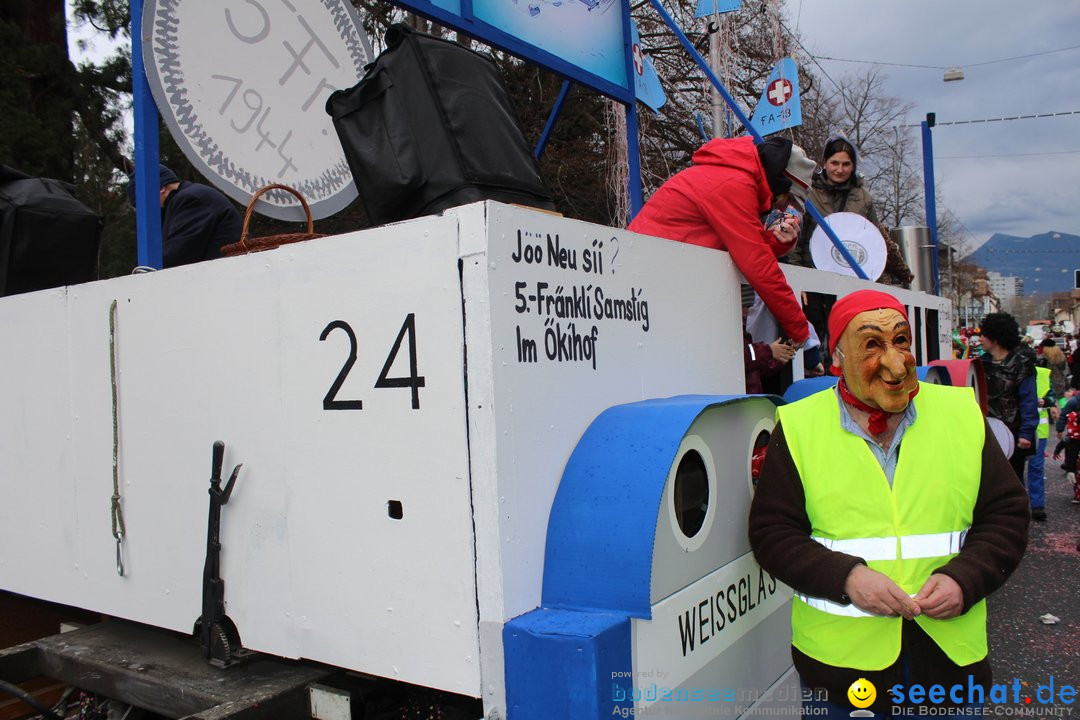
{"x":786,"y":229}
{"x":875,"y":592}
{"x":1023,"y":443}
{"x":781,"y":350}
{"x":941,"y":597}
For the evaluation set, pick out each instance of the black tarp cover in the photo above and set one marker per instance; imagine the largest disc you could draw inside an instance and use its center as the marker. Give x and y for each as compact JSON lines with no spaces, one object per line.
{"x":47,"y":237}
{"x":431,"y":126}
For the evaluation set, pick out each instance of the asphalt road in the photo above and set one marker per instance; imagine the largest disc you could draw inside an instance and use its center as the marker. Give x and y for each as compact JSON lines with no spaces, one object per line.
{"x":1047,"y":581}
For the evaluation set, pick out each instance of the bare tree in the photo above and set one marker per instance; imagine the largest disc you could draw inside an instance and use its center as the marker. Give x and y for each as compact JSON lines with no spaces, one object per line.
{"x":868,"y":117}
{"x":898,"y":188}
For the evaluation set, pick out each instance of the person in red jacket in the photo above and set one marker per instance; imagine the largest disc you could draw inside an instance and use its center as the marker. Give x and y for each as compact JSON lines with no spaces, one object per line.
{"x":719,"y":201}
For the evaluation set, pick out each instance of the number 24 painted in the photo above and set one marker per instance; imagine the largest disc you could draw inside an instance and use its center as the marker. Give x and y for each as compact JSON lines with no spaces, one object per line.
{"x":412,"y":381}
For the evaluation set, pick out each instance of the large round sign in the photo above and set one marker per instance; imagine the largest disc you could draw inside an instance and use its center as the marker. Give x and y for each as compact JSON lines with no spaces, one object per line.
{"x":242,"y":85}
{"x":861,"y":238}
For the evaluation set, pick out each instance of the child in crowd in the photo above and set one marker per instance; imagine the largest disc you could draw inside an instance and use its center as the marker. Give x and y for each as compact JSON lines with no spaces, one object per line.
{"x":1070,"y":443}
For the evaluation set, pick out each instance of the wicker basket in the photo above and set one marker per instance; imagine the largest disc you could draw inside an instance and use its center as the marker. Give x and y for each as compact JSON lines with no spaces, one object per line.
{"x":250,"y":245}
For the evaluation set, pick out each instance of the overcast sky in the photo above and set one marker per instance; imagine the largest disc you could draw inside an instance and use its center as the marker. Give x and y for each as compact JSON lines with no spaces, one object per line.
{"x":1019,"y":177}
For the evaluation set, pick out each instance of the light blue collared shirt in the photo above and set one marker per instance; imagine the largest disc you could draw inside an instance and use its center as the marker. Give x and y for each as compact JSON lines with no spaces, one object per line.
{"x":886,"y":457}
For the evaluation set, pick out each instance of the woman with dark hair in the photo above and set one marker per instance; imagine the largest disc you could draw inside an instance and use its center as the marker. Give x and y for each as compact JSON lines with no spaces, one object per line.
{"x":1010,"y":386}
{"x":837,"y":187}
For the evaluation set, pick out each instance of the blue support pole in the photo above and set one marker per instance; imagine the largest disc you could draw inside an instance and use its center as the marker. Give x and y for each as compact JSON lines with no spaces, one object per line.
{"x":633,"y":151}
{"x":745,"y":121}
{"x":696,"y":57}
{"x":147,"y":152}
{"x":931,"y":201}
{"x":633,"y":155}
{"x":552,"y":118}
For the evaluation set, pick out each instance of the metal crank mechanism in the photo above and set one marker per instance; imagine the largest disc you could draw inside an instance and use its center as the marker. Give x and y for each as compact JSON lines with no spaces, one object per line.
{"x":217,"y":634}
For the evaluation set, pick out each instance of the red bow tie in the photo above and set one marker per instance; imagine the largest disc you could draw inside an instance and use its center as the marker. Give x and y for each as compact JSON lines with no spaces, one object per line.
{"x":879,"y":418}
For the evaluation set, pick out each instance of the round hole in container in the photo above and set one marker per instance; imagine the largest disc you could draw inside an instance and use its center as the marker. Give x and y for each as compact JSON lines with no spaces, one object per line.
{"x":757,"y":455}
{"x":759,"y":439}
{"x":691,"y":493}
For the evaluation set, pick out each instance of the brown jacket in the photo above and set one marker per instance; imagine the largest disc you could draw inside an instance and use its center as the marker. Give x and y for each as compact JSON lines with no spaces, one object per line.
{"x":780,"y":538}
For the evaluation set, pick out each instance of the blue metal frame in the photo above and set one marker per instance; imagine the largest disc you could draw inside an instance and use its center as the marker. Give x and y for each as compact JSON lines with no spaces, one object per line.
{"x":931,"y":200}
{"x":147,"y":153}
{"x":552,"y":119}
{"x":745,"y":121}
{"x":633,"y":150}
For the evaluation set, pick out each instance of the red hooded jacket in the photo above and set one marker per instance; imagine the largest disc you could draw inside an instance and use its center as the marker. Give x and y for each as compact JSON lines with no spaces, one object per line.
{"x":718,"y":202}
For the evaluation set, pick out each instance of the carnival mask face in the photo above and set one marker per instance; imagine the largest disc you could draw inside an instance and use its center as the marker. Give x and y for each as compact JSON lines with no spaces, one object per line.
{"x":874,"y":354}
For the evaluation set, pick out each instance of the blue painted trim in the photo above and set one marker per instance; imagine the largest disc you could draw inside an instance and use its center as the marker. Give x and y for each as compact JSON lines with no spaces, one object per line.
{"x":603,"y":520}
{"x":808,"y":386}
{"x":515,"y":46}
{"x":561,"y":664}
{"x":934,"y":373}
{"x":552,"y":118}
{"x":147,"y":152}
{"x":931,"y":201}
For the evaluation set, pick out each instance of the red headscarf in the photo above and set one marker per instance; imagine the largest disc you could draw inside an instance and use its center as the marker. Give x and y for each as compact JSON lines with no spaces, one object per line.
{"x":851,"y":305}
{"x":842,"y":314}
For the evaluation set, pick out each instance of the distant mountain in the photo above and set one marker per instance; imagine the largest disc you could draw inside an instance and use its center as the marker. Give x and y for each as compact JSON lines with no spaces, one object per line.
{"x":1046,"y":262}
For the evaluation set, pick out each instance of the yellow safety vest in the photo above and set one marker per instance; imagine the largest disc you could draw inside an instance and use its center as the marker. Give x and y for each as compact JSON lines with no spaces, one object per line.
{"x":1042,"y":386}
{"x":906,"y":531}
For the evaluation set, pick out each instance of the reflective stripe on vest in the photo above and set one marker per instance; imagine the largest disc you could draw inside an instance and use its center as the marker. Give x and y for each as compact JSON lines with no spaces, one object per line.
{"x":832,"y":608}
{"x":911,"y":546}
{"x":906,"y":530}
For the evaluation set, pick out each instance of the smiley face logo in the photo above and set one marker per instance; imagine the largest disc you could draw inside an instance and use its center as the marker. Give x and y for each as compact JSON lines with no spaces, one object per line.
{"x":862,"y":693}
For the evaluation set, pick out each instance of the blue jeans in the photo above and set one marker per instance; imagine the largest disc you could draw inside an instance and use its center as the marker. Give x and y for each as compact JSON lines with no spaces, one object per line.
{"x":1036,"y":477}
